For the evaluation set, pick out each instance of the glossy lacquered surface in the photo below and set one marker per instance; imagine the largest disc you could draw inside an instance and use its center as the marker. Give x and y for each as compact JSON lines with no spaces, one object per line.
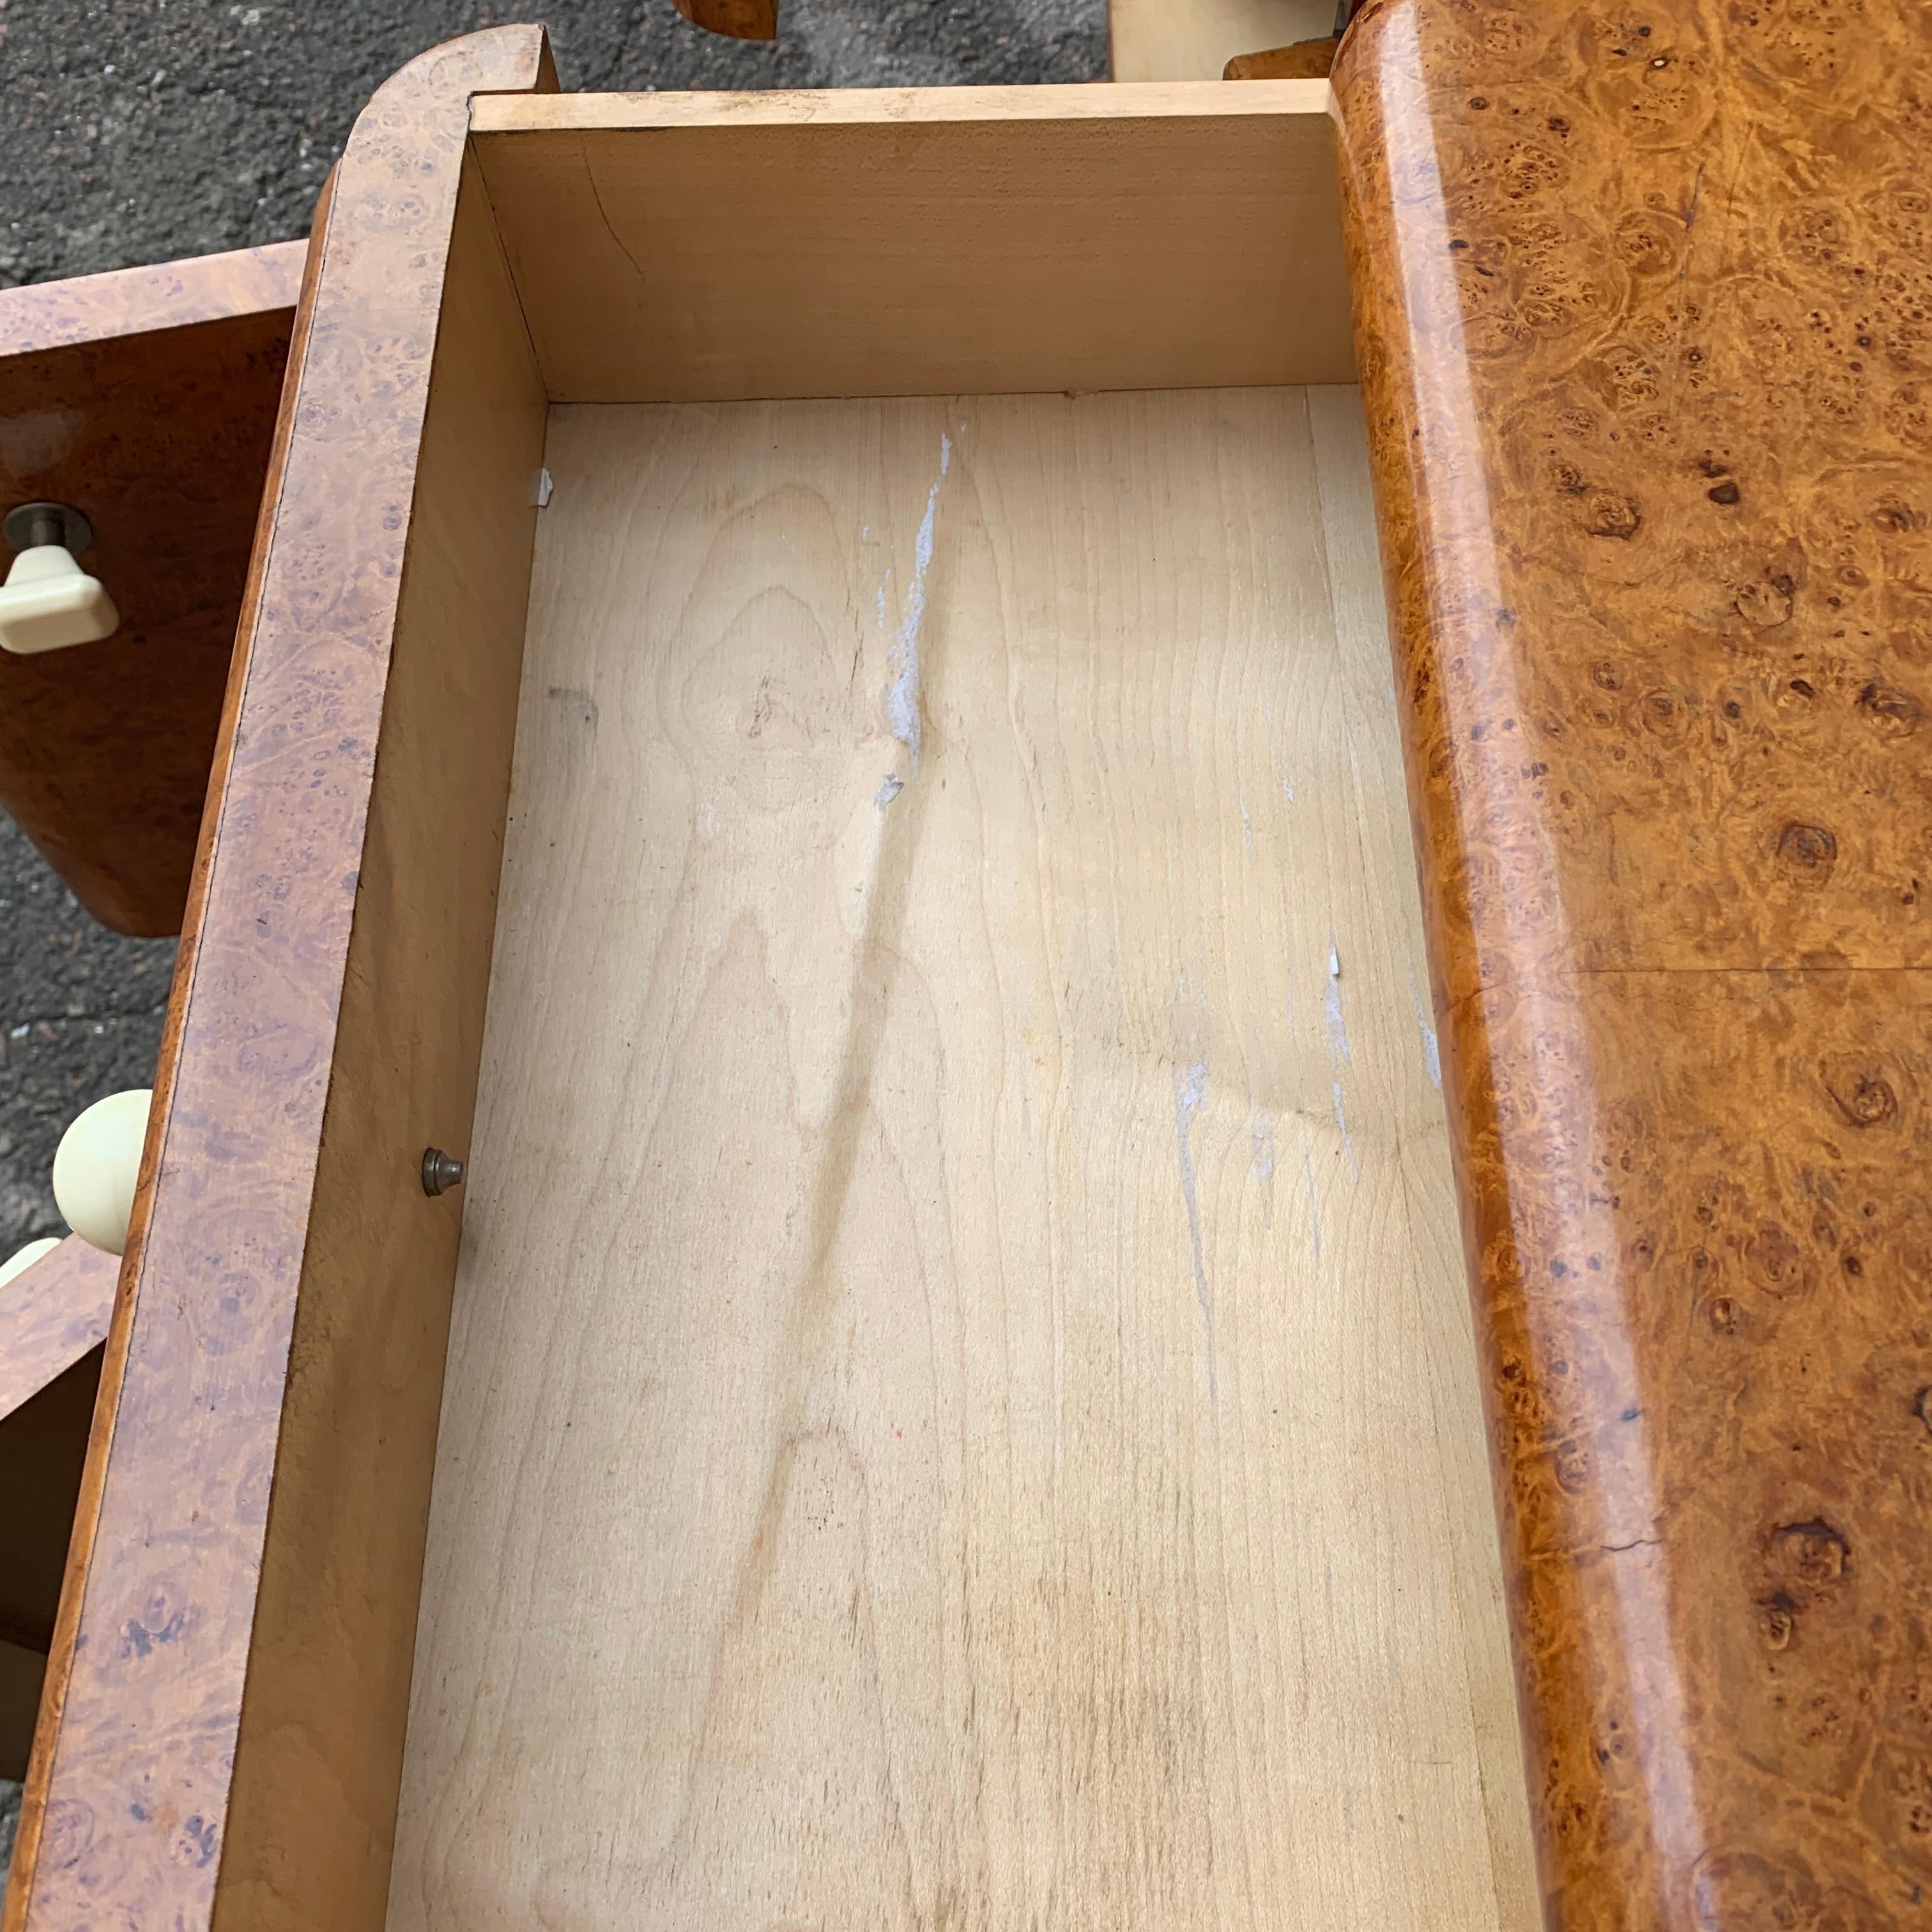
{"x":1645,"y":317}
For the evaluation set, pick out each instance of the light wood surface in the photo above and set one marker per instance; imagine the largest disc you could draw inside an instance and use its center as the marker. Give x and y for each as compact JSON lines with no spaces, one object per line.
{"x":1167,"y":98}
{"x":960,"y":1408}
{"x":1194,"y":40}
{"x":705,"y":247}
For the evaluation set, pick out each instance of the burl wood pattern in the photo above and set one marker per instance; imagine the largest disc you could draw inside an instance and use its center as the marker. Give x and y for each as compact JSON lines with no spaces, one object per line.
{"x":1645,"y":318}
{"x":147,"y":399}
{"x":50,"y":1314}
{"x":141,"y":1744}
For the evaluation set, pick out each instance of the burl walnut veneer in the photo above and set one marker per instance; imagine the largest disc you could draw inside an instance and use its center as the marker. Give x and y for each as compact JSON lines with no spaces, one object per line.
{"x":1644,"y":318}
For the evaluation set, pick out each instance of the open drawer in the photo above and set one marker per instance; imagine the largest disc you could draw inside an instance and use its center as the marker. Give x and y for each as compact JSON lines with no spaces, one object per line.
{"x":959,"y":1405}
{"x":815,"y":708}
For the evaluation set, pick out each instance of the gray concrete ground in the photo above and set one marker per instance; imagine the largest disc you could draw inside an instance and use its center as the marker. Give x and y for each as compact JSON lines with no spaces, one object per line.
{"x":140,"y":129}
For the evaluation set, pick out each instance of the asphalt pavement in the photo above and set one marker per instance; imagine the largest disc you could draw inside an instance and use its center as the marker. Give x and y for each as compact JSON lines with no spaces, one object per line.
{"x":139,"y":130}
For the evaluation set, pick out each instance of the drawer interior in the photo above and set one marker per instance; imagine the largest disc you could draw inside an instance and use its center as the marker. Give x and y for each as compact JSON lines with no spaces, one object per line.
{"x":959,"y":1408}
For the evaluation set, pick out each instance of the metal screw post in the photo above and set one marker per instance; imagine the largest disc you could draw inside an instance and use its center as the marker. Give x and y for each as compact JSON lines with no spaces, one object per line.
{"x":27,"y":526}
{"x":440,"y":1172}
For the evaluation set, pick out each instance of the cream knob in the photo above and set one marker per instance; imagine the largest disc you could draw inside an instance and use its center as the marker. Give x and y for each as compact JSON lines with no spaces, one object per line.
{"x":96,"y":1164}
{"x":48,"y":601}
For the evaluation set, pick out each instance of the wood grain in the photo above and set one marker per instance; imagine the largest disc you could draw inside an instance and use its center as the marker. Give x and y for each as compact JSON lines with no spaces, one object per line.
{"x":51,"y":1315}
{"x":305,"y":1042}
{"x":960,"y":1408}
{"x":89,"y":309}
{"x":1195,"y":39}
{"x":708,"y":247}
{"x":491,"y":115}
{"x":147,"y":399}
{"x":1643,"y":305}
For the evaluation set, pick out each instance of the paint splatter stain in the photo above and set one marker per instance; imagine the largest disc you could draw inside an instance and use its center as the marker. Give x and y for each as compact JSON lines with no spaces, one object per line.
{"x":1190,"y":1090}
{"x":903,"y":713}
{"x":1432,"y":1048}
{"x":1340,"y":1054}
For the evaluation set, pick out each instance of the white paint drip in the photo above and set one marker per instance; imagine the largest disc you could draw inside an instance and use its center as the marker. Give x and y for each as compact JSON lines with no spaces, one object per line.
{"x":1432,"y":1050}
{"x":1247,"y":823}
{"x":1336,"y":1027}
{"x":890,"y":786}
{"x":902,"y":704}
{"x":1288,"y":786}
{"x":1339,"y":1055}
{"x":1190,"y":1090}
